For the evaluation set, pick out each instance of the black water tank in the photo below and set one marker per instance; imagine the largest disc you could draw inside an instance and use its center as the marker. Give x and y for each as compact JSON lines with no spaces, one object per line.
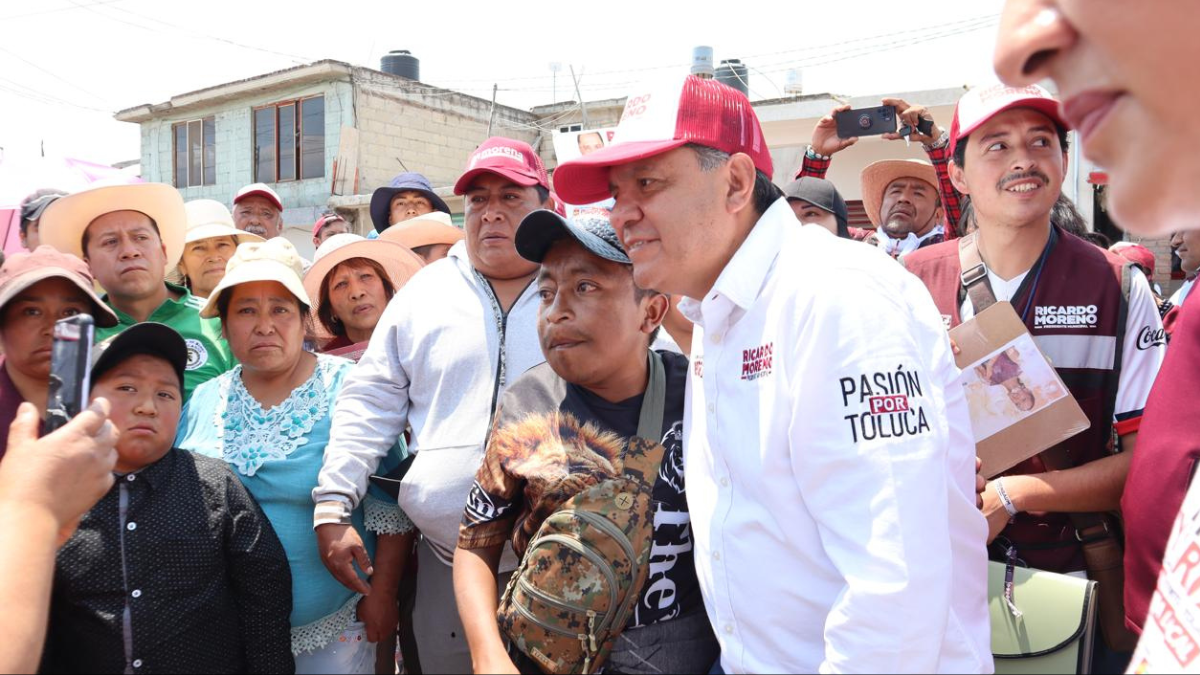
{"x":735,"y":74}
{"x":401,"y":62}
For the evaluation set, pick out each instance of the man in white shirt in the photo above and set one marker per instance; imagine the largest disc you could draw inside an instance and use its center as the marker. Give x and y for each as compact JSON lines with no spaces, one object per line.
{"x":830,"y":476}
{"x":445,"y":350}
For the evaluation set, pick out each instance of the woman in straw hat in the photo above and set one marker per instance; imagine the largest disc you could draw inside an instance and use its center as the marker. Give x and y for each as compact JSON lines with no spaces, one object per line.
{"x":37,"y":290}
{"x":269,"y":419}
{"x":210,"y":242}
{"x":430,"y":236}
{"x":353,"y":280}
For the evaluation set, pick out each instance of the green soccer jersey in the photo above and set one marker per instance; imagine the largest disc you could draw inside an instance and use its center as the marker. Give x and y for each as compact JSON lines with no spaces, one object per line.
{"x":208,"y":352}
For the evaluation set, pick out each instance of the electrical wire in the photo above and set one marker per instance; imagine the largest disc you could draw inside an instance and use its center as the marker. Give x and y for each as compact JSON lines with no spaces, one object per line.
{"x":54,"y":10}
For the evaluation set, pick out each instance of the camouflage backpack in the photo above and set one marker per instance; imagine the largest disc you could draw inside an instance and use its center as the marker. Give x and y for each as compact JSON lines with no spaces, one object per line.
{"x":585,"y":568}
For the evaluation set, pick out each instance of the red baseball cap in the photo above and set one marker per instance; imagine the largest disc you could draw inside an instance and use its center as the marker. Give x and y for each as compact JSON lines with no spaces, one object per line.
{"x":514,"y":160}
{"x":691,"y":110}
{"x":981,"y":104}
{"x":325,"y":220}
{"x":1136,"y":254}
{"x":259,"y":190}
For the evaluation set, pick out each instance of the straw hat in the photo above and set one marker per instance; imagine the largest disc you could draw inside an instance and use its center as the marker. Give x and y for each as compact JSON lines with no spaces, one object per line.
{"x":427,"y":230}
{"x":273,"y":260}
{"x":64,"y":222}
{"x":879,"y":175}
{"x":22,"y":270}
{"x":208,"y":218}
{"x":399,"y":262}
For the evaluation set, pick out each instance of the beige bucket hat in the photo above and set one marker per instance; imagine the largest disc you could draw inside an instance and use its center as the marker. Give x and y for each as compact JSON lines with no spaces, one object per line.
{"x":209,"y":218}
{"x":273,"y":260}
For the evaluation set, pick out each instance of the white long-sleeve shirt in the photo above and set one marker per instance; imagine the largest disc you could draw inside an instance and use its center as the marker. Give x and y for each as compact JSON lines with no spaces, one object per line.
{"x":434,"y":362}
{"x":830,"y":465}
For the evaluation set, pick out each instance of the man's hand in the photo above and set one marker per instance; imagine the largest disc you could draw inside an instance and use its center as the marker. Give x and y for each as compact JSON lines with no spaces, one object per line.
{"x":341,"y":548}
{"x":825,"y":140}
{"x":993,"y":510}
{"x":379,"y":611}
{"x":912,"y":116}
{"x":65,"y":473}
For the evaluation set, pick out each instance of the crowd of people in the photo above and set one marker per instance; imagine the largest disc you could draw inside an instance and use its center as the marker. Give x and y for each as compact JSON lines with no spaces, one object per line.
{"x":702,"y":425}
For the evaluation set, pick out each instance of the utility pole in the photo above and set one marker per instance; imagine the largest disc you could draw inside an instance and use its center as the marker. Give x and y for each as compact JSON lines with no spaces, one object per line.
{"x":492,"y":112}
{"x":554,"y":68}
{"x":582,"y":107}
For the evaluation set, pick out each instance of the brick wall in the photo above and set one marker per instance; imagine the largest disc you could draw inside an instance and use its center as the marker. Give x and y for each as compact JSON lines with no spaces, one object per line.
{"x":408,"y":126}
{"x":1162,"y":253}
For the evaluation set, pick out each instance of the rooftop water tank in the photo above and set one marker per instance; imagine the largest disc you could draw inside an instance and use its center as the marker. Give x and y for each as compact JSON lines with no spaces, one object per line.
{"x":734,"y":73}
{"x":402,"y":63}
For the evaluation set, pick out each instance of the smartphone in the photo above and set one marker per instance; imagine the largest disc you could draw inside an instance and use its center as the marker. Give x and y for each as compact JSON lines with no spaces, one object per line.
{"x":70,"y":370}
{"x":866,"y":122}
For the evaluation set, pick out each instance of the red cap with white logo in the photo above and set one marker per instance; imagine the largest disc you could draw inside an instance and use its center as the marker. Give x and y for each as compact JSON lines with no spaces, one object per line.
{"x":692,"y":110}
{"x":981,"y":104}
{"x":259,"y":190}
{"x":514,"y":160}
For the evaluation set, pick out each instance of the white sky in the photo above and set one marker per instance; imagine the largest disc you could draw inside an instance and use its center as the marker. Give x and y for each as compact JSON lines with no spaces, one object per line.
{"x":67,"y":65}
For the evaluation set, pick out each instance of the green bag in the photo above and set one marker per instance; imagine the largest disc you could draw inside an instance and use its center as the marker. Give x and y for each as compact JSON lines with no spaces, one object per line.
{"x":1049,"y":625}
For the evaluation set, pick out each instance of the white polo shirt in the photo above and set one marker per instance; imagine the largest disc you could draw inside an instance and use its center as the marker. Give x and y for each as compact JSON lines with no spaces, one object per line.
{"x":830,"y":465}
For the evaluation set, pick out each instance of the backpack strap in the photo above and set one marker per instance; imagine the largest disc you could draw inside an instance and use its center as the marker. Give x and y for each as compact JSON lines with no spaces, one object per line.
{"x":651,"y":420}
{"x":974,"y":273}
{"x":643,"y":457}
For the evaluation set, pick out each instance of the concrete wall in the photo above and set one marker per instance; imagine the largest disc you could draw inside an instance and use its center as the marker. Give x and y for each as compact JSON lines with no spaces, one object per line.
{"x":303,"y":200}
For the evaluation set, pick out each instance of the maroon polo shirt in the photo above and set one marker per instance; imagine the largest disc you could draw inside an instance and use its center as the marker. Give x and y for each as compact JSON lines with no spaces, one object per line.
{"x":1163,"y":466}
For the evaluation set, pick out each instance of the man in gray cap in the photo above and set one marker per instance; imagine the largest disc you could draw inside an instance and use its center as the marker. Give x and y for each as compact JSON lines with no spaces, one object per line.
{"x":32,"y":208}
{"x":596,"y":328}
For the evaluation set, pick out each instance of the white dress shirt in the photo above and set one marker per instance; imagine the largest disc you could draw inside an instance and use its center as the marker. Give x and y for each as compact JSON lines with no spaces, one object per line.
{"x":830,"y":465}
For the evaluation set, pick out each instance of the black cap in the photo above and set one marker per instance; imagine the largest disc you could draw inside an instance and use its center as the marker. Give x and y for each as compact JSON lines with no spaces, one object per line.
{"x":590,"y":226}
{"x":151,"y":339}
{"x":821,"y":194}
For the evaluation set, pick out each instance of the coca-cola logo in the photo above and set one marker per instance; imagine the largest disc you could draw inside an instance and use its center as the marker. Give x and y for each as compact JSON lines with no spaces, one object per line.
{"x":1149,"y":338}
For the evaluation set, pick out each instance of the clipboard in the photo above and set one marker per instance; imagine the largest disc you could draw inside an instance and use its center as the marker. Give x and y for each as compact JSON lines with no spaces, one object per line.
{"x":1019,"y":405}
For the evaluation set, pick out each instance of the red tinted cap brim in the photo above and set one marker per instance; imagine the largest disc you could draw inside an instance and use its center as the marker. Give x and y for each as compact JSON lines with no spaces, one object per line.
{"x":522,"y":178}
{"x":585,"y":180}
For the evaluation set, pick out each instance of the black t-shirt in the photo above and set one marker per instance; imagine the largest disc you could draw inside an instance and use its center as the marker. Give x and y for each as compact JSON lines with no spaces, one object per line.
{"x":517,"y":489}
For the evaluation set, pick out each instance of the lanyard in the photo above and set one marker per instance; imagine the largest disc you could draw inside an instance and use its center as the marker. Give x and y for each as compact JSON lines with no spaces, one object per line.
{"x":1037,"y":277}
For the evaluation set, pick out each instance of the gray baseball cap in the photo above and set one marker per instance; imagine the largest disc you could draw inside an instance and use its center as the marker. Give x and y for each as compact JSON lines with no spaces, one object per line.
{"x":590,"y":226}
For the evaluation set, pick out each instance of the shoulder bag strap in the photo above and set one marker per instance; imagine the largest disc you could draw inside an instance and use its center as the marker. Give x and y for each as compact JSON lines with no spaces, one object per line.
{"x":642,"y":459}
{"x":974,"y":273}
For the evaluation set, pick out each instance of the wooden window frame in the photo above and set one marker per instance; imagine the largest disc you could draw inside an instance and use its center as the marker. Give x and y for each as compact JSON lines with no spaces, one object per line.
{"x":186,"y":125}
{"x":297,"y":139}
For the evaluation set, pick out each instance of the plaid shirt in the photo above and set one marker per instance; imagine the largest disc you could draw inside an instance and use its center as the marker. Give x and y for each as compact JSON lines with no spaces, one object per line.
{"x":952,"y":200}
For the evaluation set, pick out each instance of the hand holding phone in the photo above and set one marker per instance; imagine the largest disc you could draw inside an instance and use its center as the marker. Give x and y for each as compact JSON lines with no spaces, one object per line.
{"x":866,"y":122}
{"x":70,"y":370}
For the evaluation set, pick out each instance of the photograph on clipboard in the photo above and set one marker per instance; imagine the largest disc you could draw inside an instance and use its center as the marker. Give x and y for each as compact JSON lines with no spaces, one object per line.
{"x":1019,"y":405}
{"x":1009,"y":385}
